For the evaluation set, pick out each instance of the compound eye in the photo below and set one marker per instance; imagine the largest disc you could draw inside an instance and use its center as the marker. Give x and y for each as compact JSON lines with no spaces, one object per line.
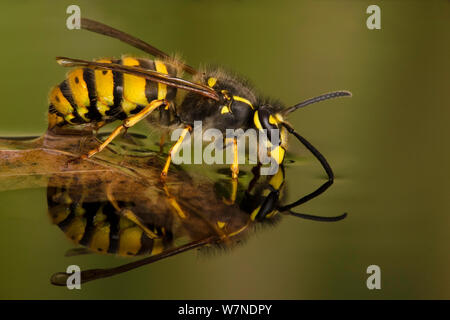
{"x":264,"y":120}
{"x":268,"y":121}
{"x":267,"y":208}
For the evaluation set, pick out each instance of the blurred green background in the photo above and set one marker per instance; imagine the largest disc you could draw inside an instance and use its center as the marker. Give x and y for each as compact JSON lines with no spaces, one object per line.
{"x":388,"y":145}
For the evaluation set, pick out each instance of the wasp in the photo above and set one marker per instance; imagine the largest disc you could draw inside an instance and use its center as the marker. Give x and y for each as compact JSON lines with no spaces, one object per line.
{"x":132,"y":89}
{"x":126,"y":216}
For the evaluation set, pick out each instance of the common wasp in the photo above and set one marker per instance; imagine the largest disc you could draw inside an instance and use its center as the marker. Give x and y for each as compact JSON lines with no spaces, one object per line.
{"x":130,"y":216}
{"x":131,"y":89}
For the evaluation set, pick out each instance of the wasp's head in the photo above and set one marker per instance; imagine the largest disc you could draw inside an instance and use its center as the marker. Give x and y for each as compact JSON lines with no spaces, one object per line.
{"x":264,"y":203}
{"x":268,"y":121}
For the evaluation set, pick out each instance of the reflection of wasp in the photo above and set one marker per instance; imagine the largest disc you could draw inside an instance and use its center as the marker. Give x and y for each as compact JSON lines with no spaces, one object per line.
{"x":130,"y":89}
{"x":128,"y":216}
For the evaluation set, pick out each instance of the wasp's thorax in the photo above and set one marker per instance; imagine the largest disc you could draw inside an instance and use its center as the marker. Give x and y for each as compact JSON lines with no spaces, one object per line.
{"x":233,"y":110}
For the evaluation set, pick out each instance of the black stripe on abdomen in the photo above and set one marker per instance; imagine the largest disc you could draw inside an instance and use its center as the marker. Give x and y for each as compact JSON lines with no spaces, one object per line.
{"x":93,"y":113}
{"x":171,"y":91}
{"x":67,"y":93}
{"x":113,"y":218}
{"x":116,"y":110}
{"x":151,"y":87}
{"x":91,"y":209}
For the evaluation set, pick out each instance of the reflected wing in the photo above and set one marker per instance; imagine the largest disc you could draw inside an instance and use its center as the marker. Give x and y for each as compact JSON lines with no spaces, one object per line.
{"x":144,"y":73}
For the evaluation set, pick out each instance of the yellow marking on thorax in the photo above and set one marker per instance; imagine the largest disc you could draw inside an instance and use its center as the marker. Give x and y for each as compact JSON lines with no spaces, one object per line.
{"x":130,"y":241}
{"x":133,"y":88}
{"x":225,"y":109}
{"x":162,"y":88}
{"x":237,"y":98}
{"x":212,"y":82}
{"x":60,"y":103}
{"x":104,"y":83}
{"x":80,"y":92}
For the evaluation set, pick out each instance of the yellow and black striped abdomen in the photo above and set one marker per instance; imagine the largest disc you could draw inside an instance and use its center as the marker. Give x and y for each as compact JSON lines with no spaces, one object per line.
{"x":101,"y":228}
{"x":96,"y":96}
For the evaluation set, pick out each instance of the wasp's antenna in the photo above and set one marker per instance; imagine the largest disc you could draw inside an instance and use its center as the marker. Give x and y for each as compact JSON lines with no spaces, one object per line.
{"x":326,"y":96}
{"x":322,"y":161}
{"x":318,"y":218}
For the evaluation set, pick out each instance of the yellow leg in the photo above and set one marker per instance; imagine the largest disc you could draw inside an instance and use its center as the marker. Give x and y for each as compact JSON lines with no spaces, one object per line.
{"x":173,"y":202}
{"x":234,"y":174}
{"x":127,"y":123}
{"x":235,"y":165}
{"x":174,"y":149}
{"x":127,"y":213}
{"x":111,"y":137}
{"x":234,"y":186}
{"x":132,"y":217}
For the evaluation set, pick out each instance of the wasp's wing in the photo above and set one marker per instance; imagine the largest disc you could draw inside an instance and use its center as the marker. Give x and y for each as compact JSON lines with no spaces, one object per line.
{"x":106,"y":30}
{"x":144,"y":73}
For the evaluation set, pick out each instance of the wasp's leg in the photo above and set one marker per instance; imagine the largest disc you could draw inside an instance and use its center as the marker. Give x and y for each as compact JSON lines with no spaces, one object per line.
{"x":235,"y":166}
{"x":234,"y":187}
{"x":126,"y":213}
{"x":162,"y":140}
{"x":174,"y":149}
{"x":256,"y":170}
{"x":133,"y":218}
{"x":234,"y":173}
{"x":127,"y":123}
{"x":98,"y":126}
{"x":174,"y":204}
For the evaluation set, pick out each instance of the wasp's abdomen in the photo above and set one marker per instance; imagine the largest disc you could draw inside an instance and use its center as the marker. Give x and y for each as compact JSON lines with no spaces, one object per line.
{"x":102,"y":228}
{"x":96,"y":96}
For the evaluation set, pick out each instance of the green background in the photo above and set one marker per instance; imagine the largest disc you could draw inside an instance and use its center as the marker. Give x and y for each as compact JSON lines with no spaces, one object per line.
{"x":388,"y":145}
